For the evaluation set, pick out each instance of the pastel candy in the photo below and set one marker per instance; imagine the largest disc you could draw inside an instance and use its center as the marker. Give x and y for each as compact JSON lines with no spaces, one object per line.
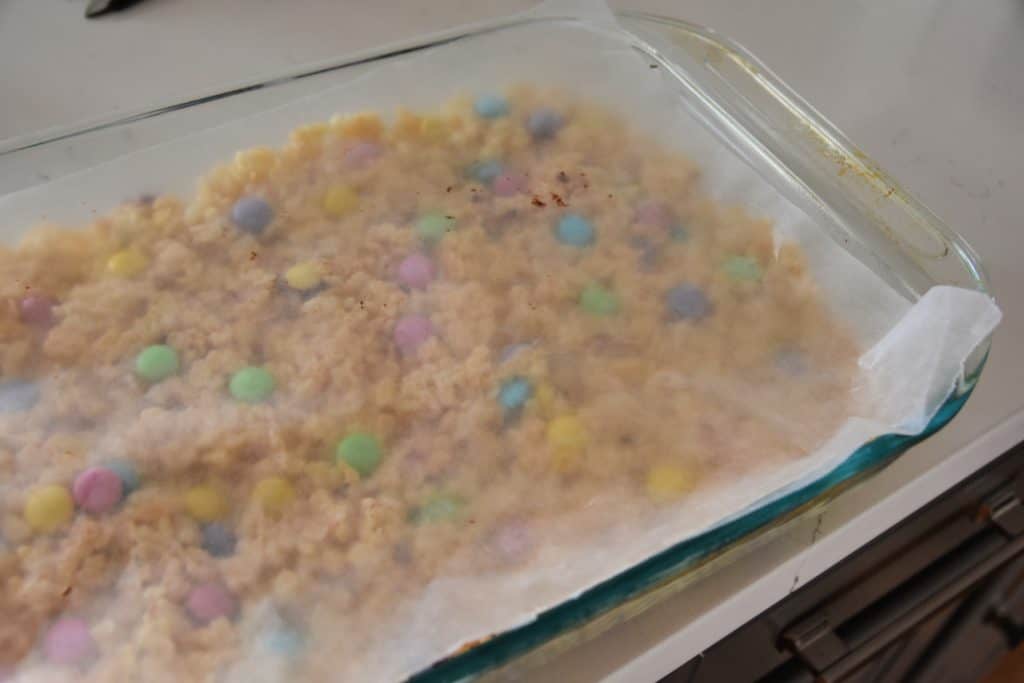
{"x":127,"y":263}
{"x":17,"y":395}
{"x":439,"y":507}
{"x":205,"y":503}
{"x":513,"y":540}
{"x":485,"y":171}
{"x":97,"y":490}
{"x":304,"y":276}
{"x":209,"y":601}
{"x":742,"y":268}
{"x":156,"y":363}
{"x":362,"y":153}
{"x":598,"y":301}
{"x":37,"y":309}
{"x":49,"y":508}
{"x":127,"y":472}
{"x":69,"y":642}
{"x":360,"y":451}
{"x":416,"y":271}
{"x":273,"y":494}
{"x":668,"y":482}
{"x":252,"y":214}
{"x":574,"y":230}
{"x":651,"y":212}
{"x":688,"y":302}
{"x":218,"y":540}
{"x":514,"y":392}
{"x":431,"y":227}
{"x":251,"y":385}
{"x":544,"y":123}
{"x":489,"y":106}
{"x":411,"y":332}
{"x":508,"y":184}
{"x":284,"y":640}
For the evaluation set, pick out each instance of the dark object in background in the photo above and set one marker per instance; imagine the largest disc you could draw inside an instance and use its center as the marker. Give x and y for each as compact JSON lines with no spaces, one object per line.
{"x":98,"y":8}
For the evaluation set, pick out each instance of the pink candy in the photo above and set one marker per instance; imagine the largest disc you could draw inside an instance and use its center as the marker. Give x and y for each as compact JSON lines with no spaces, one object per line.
{"x":655,"y":213}
{"x":209,"y":601}
{"x":97,"y":490}
{"x":508,"y":184}
{"x":513,"y":540}
{"x":37,"y":310}
{"x":362,"y":153}
{"x":412,"y":331}
{"x":69,"y":641}
{"x":416,"y":271}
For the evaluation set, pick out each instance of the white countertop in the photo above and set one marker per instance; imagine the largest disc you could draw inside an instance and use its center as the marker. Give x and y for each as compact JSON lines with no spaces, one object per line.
{"x":931,"y":89}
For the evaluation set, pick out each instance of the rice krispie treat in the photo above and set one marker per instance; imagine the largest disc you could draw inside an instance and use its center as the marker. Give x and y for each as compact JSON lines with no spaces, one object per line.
{"x":249,"y":426}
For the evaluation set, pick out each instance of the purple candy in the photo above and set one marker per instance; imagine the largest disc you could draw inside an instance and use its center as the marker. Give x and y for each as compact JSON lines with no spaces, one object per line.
{"x":412,"y":331}
{"x":513,"y":540}
{"x":544,"y":123}
{"x":655,"y":213}
{"x":416,"y":271}
{"x":69,"y":641}
{"x":36,"y":309}
{"x":508,"y":184}
{"x":209,"y":601}
{"x":362,"y":153}
{"x":97,"y":490}
{"x":688,"y":302}
{"x":252,"y":214}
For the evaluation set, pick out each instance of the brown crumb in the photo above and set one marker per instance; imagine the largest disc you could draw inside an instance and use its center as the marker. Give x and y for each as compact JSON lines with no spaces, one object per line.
{"x":537,"y":201}
{"x":448,"y":189}
{"x":563,"y":177}
{"x":253,"y":255}
{"x":557,"y":199}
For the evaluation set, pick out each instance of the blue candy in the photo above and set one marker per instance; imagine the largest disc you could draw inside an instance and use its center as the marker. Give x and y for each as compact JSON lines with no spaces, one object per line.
{"x":544,"y":123}
{"x":514,"y":392}
{"x":18,"y":395}
{"x":252,"y":214}
{"x":218,"y":540}
{"x":126,"y":471}
{"x":688,"y":302}
{"x":486,"y":171}
{"x":491,"y":106}
{"x":575,"y":230}
{"x":283,"y":640}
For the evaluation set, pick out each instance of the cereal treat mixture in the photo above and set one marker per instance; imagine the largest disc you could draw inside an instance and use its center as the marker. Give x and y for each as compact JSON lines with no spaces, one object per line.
{"x":249,"y":425}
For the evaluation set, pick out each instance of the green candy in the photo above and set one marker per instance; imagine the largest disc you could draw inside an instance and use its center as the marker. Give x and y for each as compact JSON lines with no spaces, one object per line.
{"x":251,"y":385}
{"x":439,"y":507}
{"x":360,"y":451}
{"x":156,"y":363}
{"x":431,"y":227}
{"x":743,"y":268}
{"x":597,"y":300}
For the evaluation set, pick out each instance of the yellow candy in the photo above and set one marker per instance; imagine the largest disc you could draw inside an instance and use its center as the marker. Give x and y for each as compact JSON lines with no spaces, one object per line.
{"x":273,"y":493}
{"x":205,"y":503}
{"x":339,"y":200}
{"x":303,"y":276}
{"x":668,"y":482}
{"x":126,"y":263}
{"x":567,"y":433}
{"x":49,"y":508}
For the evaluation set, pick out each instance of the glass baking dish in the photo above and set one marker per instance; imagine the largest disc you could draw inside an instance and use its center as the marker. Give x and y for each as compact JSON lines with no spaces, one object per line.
{"x":764,"y":123}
